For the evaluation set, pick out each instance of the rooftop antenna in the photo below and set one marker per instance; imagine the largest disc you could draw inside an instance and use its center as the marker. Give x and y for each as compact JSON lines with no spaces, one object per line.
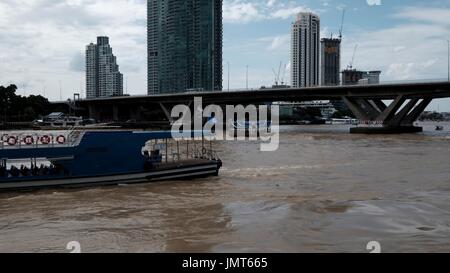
{"x":228,"y":76}
{"x":246,"y":78}
{"x":342,"y":25}
{"x":60,"y":91}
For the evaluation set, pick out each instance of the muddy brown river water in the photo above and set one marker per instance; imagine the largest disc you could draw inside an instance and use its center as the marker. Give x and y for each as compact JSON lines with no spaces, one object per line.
{"x":324,"y":190}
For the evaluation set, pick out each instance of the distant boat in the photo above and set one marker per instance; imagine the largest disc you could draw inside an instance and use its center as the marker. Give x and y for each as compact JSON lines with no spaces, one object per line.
{"x":344,"y":121}
{"x":61,"y":120}
{"x":439,"y":128}
{"x":252,"y":126}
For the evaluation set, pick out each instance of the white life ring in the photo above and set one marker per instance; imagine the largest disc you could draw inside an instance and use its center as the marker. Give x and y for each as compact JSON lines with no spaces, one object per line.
{"x":61,"y":139}
{"x":28,"y":140}
{"x":12,"y":141}
{"x":45,"y":140}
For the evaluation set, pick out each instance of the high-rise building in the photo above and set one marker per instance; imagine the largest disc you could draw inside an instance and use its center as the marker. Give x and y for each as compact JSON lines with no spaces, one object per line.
{"x":305,"y":50}
{"x":330,"y":62}
{"x":184,"y":45}
{"x":103,"y":78}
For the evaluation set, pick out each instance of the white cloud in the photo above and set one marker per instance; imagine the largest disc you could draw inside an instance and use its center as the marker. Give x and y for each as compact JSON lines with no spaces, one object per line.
{"x":240,"y":12}
{"x":280,"y":42}
{"x":386,"y":50}
{"x":289,"y":12}
{"x":271,"y":3}
{"x":374,"y":2}
{"x":245,"y":11}
{"x":439,"y":16}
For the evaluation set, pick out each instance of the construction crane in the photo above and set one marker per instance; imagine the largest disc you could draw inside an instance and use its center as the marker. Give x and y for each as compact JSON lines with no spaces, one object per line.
{"x":350,"y":66}
{"x":277,"y":75}
{"x":283,"y":82}
{"x":342,"y":25}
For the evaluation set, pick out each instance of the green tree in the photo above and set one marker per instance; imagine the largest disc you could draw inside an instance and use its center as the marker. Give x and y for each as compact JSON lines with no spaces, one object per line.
{"x":19,"y":108}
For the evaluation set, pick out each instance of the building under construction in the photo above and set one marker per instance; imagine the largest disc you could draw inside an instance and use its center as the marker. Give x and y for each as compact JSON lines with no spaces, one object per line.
{"x":354,"y":77}
{"x":331,"y":61}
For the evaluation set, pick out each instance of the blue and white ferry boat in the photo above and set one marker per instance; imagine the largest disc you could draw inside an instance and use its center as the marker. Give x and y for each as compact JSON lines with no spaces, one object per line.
{"x":93,"y":158}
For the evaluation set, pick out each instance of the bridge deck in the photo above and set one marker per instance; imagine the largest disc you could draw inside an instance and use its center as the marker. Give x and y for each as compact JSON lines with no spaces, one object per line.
{"x":383,"y":91}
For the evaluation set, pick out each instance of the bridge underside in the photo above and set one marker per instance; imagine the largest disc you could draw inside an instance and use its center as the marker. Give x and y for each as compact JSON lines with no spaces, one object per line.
{"x":368,"y":103}
{"x":378,"y":118}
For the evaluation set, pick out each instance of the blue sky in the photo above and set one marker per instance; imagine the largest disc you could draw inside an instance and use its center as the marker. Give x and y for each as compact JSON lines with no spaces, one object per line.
{"x":42,"y":41}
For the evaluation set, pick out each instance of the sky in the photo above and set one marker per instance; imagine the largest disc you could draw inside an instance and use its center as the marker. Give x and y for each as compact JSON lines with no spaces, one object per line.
{"x":42,"y":42}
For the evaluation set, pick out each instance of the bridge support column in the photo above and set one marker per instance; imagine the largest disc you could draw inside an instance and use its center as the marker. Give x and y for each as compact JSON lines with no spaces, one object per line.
{"x":168,"y":114}
{"x":115,"y":113}
{"x":94,"y":113}
{"x":135,"y":113}
{"x":378,"y":118}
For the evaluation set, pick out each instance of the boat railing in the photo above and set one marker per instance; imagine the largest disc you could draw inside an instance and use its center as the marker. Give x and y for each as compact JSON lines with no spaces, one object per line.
{"x":178,"y":150}
{"x":205,"y":153}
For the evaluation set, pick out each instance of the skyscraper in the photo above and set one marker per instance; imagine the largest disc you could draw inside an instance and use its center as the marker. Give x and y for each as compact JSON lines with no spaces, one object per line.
{"x":103,"y":78}
{"x":305,"y":50}
{"x":330,"y":61}
{"x":184,"y":45}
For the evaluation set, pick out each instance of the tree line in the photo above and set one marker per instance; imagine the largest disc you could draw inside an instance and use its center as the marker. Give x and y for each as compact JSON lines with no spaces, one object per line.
{"x":16,"y":108}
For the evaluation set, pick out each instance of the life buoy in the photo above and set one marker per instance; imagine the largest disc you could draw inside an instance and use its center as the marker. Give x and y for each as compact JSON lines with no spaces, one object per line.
{"x":61,"y":139}
{"x":45,"y":140}
{"x":12,"y":141}
{"x":28,"y":140}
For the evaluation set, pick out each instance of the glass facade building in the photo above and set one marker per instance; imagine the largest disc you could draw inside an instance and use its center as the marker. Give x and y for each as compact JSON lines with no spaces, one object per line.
{"x":184,"y":45}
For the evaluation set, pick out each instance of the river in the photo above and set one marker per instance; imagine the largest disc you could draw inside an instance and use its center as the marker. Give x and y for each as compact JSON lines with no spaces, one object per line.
{"x":324,"y":190}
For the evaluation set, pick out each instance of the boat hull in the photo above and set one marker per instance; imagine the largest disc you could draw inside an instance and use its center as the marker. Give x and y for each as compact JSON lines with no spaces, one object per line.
{"x":179,"y":172}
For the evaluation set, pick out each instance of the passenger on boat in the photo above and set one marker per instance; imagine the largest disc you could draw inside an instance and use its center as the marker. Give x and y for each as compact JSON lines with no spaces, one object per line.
{"x":3,"y":171}
{"x":43,"y":170}
{"x":154,"y":159}
{"x":35,"y":171}
{"x":14,"y":171}
{"x":24,"y":171}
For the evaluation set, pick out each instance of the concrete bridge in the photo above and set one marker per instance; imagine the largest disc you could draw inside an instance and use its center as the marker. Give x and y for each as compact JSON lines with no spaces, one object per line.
{"x":367,"y":102}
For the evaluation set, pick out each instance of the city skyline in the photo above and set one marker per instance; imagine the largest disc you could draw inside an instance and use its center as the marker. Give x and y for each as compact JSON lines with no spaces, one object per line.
{"x":406,"y":40}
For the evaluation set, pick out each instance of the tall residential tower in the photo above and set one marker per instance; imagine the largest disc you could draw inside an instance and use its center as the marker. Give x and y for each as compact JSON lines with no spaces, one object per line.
{"x":103,"y":78}
{"x":184,"y":45}
{"x":305,"y":50}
